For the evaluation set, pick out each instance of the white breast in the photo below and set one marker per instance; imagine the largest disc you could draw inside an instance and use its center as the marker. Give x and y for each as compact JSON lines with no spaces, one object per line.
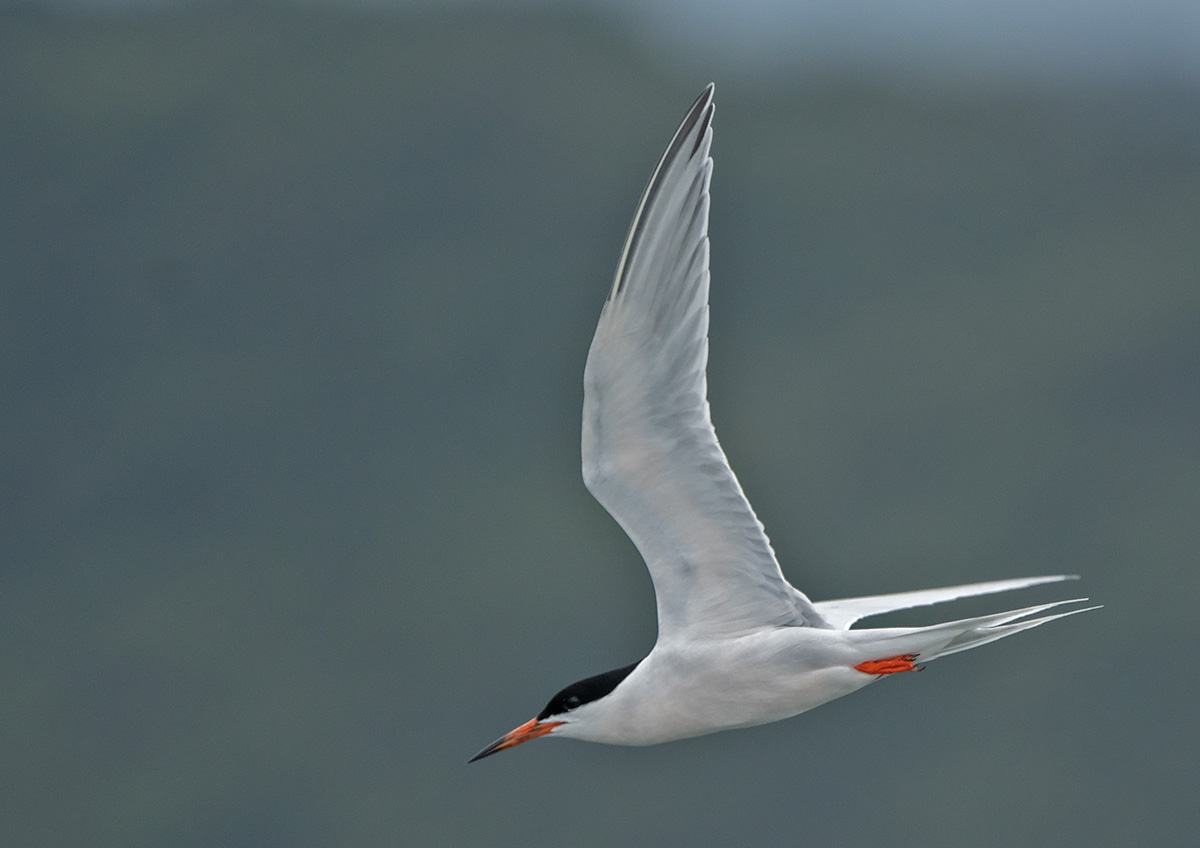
{"x":695,"y":687}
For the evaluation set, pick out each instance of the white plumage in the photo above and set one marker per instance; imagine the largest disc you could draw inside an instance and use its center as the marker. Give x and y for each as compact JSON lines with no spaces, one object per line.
{"x":737,"y":644}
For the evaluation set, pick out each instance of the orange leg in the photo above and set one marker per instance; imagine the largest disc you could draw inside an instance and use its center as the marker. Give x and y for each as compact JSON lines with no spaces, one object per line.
{"x":891,"y":665}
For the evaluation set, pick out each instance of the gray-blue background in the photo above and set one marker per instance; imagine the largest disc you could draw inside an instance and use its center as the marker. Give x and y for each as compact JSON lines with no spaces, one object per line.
{"x":294,"y":305}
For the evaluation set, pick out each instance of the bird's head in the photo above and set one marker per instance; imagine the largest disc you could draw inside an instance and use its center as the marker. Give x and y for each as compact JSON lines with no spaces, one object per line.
{"x":568,"y":713}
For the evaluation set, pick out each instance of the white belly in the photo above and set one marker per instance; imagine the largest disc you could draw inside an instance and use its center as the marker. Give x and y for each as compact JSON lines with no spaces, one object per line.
{"x":695,"y":688}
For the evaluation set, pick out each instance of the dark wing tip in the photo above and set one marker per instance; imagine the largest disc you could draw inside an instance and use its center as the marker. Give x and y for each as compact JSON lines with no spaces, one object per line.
{"x":704,"y":123}
{"x":700,"y":113}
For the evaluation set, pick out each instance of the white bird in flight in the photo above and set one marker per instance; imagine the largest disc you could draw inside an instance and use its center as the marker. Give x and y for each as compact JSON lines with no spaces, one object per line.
{"x":737,"y":644}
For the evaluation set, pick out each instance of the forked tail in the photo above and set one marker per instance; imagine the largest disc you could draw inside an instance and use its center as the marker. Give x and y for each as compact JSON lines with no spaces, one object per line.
{"x":940,"y":640}
{"x":840,"y":614}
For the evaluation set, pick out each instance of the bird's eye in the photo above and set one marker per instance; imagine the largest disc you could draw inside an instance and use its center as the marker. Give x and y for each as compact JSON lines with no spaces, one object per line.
{"x":572,"y":702}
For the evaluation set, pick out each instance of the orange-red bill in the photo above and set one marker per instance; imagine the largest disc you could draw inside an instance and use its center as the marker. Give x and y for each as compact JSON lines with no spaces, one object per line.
{"x":531,"y":729}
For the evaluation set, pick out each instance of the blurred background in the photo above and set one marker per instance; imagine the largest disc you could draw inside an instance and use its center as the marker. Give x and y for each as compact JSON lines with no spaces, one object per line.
{"x":294,"y":305}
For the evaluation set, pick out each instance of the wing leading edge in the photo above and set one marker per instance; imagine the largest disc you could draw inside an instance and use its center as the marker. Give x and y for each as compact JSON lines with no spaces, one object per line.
{"x":650,"y":453}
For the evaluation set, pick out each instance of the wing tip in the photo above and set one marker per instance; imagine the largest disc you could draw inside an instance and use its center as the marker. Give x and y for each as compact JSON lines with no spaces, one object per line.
{"x":700,"y":113}
{"x":705,"y":130}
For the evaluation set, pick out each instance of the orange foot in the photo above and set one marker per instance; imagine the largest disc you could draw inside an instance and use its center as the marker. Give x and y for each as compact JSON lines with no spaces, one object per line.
{"x":891,"y":665}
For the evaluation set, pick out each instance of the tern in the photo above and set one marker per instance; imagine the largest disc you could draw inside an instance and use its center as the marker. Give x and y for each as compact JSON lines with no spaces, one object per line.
{"x":737,"y":645}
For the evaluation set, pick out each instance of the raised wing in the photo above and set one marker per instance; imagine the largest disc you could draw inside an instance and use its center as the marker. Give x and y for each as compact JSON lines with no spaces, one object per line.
{"x":650,"y":454}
